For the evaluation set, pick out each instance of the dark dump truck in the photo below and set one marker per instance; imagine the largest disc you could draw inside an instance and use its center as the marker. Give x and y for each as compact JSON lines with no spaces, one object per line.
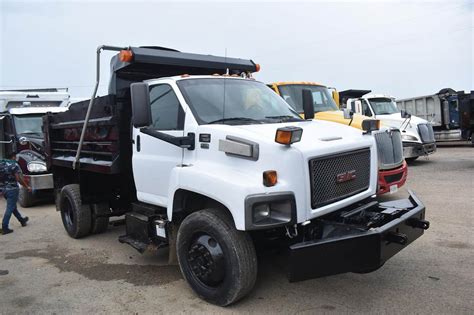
{"x":207,"y":161}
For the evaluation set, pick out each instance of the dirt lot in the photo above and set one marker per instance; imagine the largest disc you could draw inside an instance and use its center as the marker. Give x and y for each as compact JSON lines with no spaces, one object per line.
{"x":44,"y":271}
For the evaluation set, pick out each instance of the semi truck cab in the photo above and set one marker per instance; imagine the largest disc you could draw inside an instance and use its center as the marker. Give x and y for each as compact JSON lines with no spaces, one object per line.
{"x":393,"y":170}
{"x":417,"y":133}
{"x":21,"y":123}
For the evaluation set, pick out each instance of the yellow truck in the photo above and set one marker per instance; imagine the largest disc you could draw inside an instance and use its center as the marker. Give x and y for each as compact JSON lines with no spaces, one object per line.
{"x":392,"y":165}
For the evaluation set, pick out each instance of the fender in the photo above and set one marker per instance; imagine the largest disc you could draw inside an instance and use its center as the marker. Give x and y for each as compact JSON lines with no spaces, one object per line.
{"x":229,"y":187}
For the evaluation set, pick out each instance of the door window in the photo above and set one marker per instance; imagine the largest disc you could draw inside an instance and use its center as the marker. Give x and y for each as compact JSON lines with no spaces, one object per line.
{"x":166,"y":111}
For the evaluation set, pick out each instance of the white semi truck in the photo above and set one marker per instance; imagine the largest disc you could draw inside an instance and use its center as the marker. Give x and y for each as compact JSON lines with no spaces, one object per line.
{"x":21,"y":133}
{"x":203,"y":159}
{"x":417,"y":133}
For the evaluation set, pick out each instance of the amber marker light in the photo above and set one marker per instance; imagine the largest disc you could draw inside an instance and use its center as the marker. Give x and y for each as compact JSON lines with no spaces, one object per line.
{"x":257,"y":67}
{"x":288,"y":135}
{"x":126,"y":56}
{"x":270,"y":178}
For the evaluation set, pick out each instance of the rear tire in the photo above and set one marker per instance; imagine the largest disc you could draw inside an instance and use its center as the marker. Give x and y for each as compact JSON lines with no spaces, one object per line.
{"x":218,"y":261}
{"x":26,"y":198}
{"x":99,"y":222}
{"x":76,"y":217}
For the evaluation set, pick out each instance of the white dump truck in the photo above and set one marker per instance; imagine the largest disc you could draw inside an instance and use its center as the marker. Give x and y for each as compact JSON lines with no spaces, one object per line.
{"x":207,"y":161}
{"x":417,"y":133}
{"x":21,"y":133}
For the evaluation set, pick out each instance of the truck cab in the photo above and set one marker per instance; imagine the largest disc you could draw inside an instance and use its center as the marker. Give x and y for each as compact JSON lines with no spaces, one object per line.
{"x":392,"y":166}
{"x":417,"y":133}
{"x":21,"y":113}
{"x":205,"y":160}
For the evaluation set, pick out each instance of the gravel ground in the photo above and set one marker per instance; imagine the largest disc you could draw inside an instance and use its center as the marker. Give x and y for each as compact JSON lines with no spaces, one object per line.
{"x":42,"y":270}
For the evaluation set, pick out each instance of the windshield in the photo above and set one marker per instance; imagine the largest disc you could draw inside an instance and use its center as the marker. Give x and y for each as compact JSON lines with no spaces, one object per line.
{"x":383,"y":106}
{"x":234,"y":101}
{"x":293,"y":95}
{"x":29,"y":124}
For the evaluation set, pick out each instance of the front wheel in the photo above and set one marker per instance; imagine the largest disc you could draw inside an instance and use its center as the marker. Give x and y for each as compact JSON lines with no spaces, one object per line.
{"x":218,"y":261}
{"x":26,"y":198}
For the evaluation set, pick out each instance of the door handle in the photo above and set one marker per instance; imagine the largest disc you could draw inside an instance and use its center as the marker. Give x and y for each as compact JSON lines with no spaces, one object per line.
{"x":138,"y":143}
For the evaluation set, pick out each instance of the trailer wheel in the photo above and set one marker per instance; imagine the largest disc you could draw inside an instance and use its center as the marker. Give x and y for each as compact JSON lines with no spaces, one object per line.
{"x":26,"y":198}
{"x":76,"y":216}
{"x":218,"y":261}
{"x":99,"y":222}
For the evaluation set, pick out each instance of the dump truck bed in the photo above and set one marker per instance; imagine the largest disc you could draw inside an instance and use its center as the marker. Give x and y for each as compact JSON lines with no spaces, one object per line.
{"x":107,"y":141}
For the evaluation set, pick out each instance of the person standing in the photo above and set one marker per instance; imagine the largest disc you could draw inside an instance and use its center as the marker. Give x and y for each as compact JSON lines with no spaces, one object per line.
{"x":10,"y":176}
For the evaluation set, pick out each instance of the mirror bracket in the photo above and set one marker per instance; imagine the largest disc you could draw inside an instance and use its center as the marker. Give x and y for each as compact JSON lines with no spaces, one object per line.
{"x":185,"y":142}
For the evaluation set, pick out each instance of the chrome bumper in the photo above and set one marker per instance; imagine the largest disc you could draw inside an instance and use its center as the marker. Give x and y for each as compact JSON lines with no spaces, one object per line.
{"x":40,"y":182}
{"x":412,"y":149}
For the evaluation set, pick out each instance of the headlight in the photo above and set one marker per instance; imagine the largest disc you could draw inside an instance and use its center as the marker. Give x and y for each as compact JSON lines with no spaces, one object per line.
{"x":270,"y":210}
{"x":36,"y":167}
{"x":409,"y":138}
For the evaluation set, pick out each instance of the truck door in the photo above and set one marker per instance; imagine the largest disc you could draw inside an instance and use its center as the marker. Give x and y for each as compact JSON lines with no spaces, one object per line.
{"x":154,"y":159}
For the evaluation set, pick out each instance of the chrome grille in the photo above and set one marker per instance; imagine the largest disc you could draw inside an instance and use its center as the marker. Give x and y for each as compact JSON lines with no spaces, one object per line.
{"x":426,"y":133}
{"x":389,"y":148}
{"x":325,"y":171}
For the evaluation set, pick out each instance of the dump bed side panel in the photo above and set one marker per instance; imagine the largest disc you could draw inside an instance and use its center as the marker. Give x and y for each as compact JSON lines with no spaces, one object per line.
{"x":106,"y":138}
{"x":426,"y":107}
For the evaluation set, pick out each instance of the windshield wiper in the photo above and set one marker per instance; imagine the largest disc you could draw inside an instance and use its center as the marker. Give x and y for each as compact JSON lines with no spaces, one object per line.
{"x":284,"y":118}
{"x":234,"y":119}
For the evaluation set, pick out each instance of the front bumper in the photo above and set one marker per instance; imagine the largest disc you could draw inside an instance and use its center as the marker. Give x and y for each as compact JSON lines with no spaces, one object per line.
{"x":389,"y":178}
{"x":40,"y":182}
{"x":414,"y":149}
{"x":356,"y":250}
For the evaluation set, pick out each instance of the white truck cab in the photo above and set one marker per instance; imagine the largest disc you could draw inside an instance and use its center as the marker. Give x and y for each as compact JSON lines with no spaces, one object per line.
{"x":21,"y":120}
{"x":417,"y":133}
{"x":207,"y":161}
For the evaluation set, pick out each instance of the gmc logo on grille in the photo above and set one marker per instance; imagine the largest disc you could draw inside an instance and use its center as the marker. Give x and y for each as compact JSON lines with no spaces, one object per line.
{"x":346,"y":176}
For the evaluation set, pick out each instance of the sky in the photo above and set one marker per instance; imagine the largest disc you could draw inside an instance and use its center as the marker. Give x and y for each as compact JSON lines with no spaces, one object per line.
{"x":401,"y":48}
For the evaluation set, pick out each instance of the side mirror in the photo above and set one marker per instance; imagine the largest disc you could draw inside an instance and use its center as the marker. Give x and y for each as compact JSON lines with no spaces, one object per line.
{"x":308,"y":104}
{"x":348,"y":113}
{"x":405,"y":114}
{"x":141,"y":110}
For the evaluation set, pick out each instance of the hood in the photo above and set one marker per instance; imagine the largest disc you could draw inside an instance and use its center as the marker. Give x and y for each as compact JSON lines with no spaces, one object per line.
{"x":395,"y":120}
{"x":338,"y":117}
{"x":319,"y":137}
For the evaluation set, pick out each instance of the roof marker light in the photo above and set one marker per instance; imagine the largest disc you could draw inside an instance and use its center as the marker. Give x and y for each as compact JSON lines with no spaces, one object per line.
{"x":126,"y":56}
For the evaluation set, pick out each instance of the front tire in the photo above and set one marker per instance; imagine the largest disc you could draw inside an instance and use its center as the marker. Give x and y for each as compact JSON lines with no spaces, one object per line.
{"x":218,"y":261}
{"x":76,"y":217}
{"x":26,"y":198}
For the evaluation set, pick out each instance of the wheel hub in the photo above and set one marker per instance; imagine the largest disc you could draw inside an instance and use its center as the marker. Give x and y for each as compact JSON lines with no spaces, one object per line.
{"x":206,"y":259}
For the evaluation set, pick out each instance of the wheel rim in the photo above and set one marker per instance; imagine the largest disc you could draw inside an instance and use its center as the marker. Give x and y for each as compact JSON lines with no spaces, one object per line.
{"x":68,"y":213}
{"x":206,"y":260}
